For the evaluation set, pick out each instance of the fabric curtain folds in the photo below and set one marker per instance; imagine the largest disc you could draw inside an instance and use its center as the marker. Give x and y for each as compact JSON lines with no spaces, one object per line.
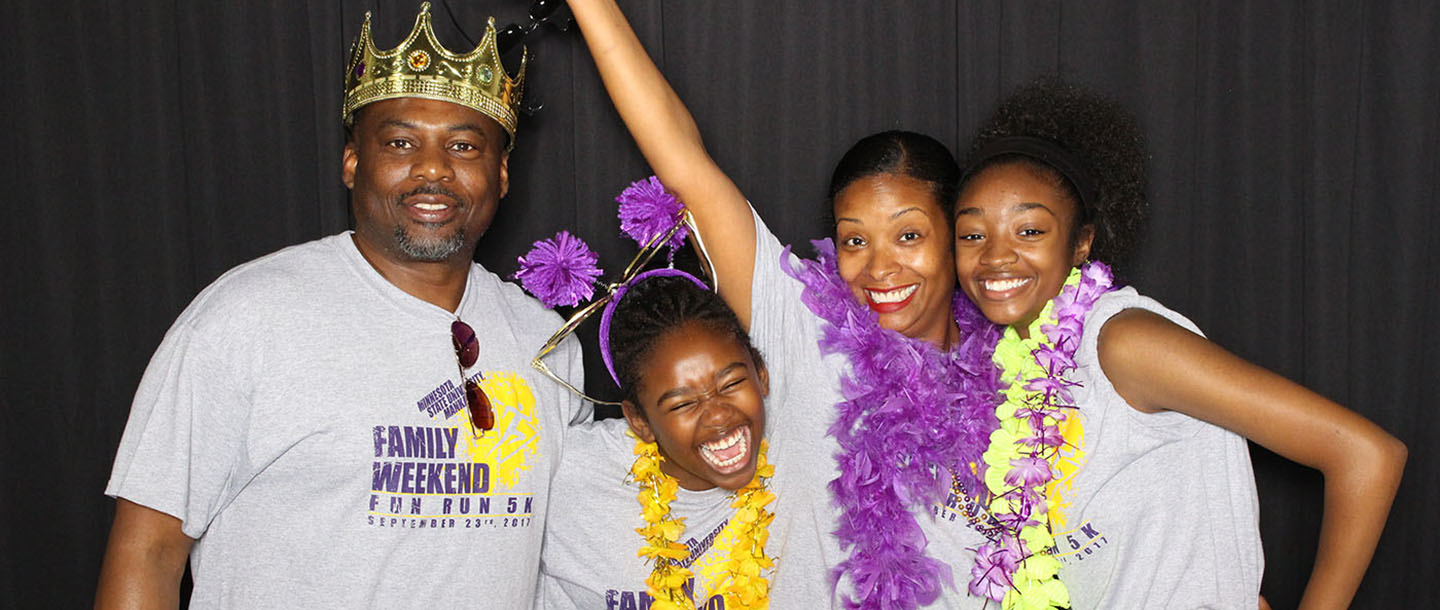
{"x":153,"y":145}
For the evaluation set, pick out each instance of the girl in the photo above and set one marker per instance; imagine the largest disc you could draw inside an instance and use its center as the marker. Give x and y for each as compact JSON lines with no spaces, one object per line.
{"x":891,"y":411}
{"x":1122,"y":442}
{"x":691,"y":443}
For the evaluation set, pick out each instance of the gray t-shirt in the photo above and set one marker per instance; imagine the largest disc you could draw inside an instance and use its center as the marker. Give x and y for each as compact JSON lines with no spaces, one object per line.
{"x":590,"y":558}
{"x":302,"y":419}
{"x":1151,"y":510}
{"x":804,"y":389}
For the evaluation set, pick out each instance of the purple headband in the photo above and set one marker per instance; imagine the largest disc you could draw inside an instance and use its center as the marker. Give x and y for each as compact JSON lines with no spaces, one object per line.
{"x":562,"y":271}
{"x":618,"y":294}
{"x":1070,"y":166}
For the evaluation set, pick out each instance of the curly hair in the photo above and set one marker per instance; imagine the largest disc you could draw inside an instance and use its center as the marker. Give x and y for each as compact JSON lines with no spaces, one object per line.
{"x":656,"y":306}
{"x":903,"y":153}
{"x":1098,"y":131}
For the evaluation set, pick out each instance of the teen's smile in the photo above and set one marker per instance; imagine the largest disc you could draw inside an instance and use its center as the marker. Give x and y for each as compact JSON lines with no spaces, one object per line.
{"x":730,"y":452}
{"x":702,"y":401}
{"x":1003,"y":288}
{"x":1015,"y":243}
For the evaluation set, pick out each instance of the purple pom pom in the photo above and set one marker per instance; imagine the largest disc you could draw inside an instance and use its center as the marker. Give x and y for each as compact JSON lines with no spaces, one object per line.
{"x":560,"y":270}
{"x":647,"y":210}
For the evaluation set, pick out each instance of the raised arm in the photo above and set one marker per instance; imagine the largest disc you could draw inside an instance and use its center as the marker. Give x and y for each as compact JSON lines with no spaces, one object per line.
{"x":671,"y":143}
{"x":1155,"y":364}
{"x":144,"y":560}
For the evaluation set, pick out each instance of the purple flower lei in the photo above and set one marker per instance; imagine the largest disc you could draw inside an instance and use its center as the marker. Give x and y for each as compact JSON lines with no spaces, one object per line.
{"x":912,"y":416}
{"x":1031,"y":417}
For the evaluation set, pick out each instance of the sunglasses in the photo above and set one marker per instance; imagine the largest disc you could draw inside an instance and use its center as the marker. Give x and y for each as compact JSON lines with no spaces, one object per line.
{"x":467,"y":351}
{"x":637,"y":264}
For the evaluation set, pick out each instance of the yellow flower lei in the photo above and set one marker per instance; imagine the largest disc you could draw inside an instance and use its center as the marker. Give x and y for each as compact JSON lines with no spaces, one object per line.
{"x":1035,"y":583}
{"x":744,"y":586}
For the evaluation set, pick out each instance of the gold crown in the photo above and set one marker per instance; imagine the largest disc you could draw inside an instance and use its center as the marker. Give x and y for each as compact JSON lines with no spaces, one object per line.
{"x":422,"y":67}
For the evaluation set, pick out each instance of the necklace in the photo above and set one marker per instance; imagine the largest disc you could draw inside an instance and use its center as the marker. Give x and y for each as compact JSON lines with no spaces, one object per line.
{"x":910,"y":414}
{"x":976,"y":515}
{"x":1018,"y":570}
{"x":744,"y":584}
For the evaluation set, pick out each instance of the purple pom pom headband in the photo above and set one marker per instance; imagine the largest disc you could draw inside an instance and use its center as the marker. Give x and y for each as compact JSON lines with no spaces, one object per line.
{"x":561,"y":270}
{"x":619,"y":293}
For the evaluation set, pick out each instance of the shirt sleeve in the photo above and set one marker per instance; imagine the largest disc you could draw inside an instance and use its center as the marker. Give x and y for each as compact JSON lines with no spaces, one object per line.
{"x":184,"y":439}
{"x":577,"y":410}
{"x":777,"y":314}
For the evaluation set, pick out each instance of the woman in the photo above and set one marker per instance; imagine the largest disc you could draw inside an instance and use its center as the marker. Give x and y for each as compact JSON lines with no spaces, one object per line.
{"x":1123,"y":433}
{"x":902,"y":389}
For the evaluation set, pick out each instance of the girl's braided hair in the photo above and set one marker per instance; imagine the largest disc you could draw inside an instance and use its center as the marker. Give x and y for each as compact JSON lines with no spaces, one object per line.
{"x":656,"y":306}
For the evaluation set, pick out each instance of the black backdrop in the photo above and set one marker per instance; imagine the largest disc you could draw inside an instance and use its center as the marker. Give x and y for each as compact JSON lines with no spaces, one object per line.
{"x":149,"y":145}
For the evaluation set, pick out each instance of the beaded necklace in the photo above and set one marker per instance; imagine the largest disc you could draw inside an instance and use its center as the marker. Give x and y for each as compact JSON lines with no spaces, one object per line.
{"x":1018,"y":570}
{"x":744,"y":585}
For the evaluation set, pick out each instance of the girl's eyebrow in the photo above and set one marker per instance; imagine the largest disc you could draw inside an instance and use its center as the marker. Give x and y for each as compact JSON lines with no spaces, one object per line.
{"x":726,"y":371}
{"x":1019,"y":207}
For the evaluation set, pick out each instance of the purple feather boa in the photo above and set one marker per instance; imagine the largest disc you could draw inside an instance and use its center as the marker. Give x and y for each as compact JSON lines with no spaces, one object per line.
{"x":912,"y":415}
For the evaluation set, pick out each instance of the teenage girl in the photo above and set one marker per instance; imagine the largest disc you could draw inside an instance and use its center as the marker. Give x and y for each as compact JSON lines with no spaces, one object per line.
{"x":687,"y":461}
{"x":1152,"y":503}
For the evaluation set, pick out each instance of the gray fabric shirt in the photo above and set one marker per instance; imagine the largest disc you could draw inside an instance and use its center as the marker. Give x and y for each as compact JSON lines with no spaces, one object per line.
{"x":1151,"y":510}
{"x":590,"y":558}
{"x":804,"y":389}
{"x":302,"y":419}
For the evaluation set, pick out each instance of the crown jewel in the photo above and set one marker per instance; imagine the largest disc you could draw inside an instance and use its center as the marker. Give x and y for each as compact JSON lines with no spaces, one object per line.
{"x":422,"y":67}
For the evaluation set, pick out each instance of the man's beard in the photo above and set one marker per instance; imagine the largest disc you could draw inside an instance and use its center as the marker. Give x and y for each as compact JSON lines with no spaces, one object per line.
{"x":436,"y":249}
{"x":431,"y":250}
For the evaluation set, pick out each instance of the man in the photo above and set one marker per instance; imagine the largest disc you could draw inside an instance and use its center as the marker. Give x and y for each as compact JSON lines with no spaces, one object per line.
{"x":352,"y":422}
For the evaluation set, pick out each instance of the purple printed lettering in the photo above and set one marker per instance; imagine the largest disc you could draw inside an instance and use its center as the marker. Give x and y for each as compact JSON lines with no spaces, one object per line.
{"x":436,"y":400}
{"x":396,"y":447}
{"x":448,"y":477}
{"x":407,"y":480}
{"x":386,"y":477}
{"x":432,"y":478}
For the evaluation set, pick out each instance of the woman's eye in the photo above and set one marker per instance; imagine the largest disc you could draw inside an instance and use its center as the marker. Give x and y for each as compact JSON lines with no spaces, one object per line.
{"x":1031,"y":232}
{"x":961,"y":236}
{"x":909,"y":236}
{"x":853,"y":242}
